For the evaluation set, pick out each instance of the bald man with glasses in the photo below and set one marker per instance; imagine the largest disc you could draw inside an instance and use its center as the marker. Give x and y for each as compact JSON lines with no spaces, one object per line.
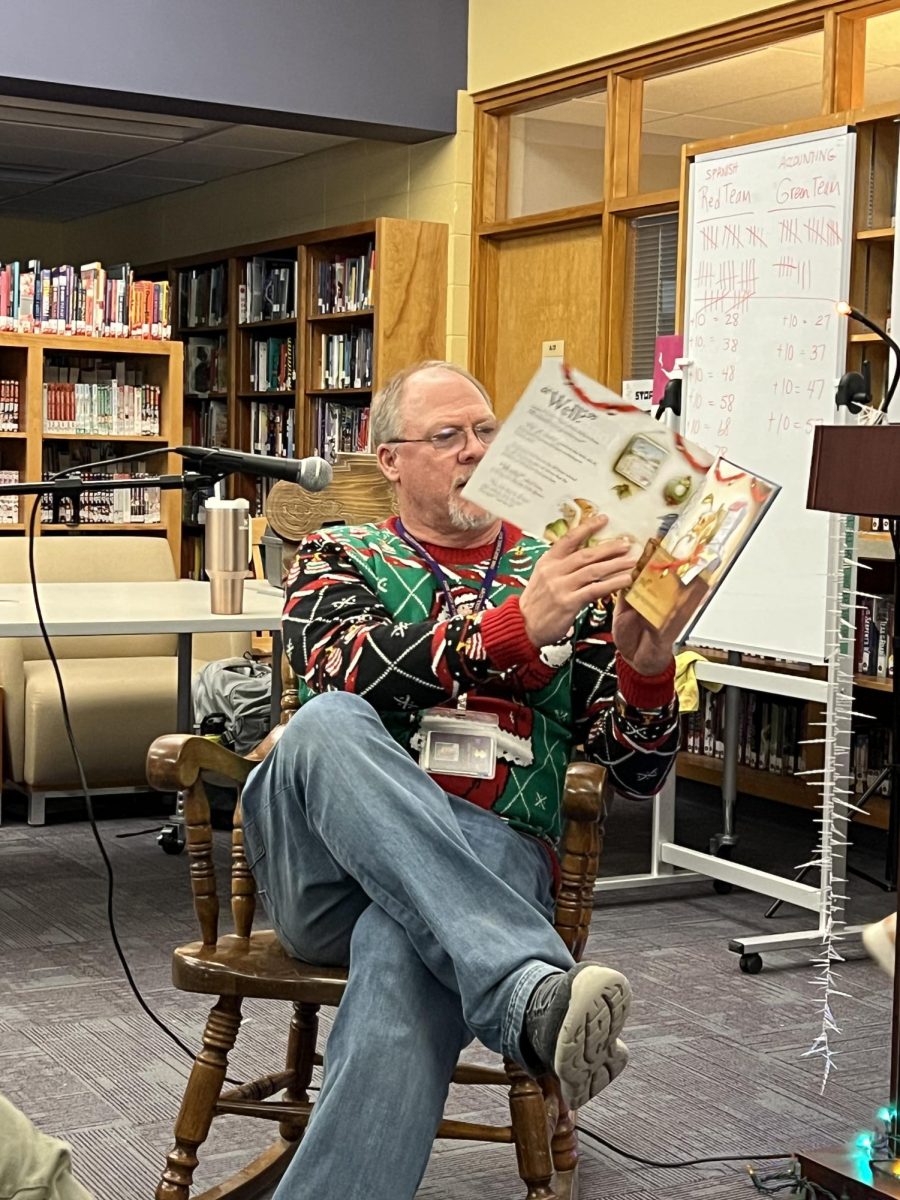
{"x":406,"y":822}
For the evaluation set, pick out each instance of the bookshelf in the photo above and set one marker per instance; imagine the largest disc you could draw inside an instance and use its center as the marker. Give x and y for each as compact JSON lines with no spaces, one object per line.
{"x":279,"y":335}
{"x":870,"y":292}
{"x":152,"y":373}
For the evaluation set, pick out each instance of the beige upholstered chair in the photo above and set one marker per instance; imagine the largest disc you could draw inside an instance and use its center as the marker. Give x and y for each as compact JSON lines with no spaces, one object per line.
{"x":113,"y":681}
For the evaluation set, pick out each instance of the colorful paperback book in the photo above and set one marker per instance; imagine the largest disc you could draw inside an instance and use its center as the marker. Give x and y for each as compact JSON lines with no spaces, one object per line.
{"x":572,"y":449}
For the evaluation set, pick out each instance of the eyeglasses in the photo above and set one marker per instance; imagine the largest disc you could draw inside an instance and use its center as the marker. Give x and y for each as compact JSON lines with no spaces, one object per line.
{"x":453,"y":439}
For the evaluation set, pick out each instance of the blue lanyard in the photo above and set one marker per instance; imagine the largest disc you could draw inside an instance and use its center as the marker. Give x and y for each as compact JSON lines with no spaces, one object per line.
{"x":437,"y":571}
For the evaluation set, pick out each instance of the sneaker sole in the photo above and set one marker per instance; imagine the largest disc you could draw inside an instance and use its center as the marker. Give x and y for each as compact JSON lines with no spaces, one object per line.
{"x":589,"y":1054}
{"x":879,"y":946}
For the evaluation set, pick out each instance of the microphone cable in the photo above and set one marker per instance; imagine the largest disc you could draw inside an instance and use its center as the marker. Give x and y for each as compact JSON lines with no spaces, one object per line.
{"x":88,"y":800}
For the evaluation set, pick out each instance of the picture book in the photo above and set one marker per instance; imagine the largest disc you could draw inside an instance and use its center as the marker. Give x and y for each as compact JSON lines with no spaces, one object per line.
{"x":690,"y":561}
{"x":572,"y":449}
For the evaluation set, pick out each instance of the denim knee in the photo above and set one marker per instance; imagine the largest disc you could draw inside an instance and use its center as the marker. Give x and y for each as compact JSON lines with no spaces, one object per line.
{"x":325,"y":719}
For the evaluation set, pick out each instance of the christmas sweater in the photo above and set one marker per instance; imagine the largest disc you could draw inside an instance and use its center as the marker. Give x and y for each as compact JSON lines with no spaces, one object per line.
{"x":365,"y":614}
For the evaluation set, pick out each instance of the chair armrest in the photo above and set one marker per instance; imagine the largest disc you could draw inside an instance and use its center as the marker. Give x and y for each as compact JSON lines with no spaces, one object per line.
{"x":584,"y":807}
{"x":586,"y":795}
{"x":175,"y":761}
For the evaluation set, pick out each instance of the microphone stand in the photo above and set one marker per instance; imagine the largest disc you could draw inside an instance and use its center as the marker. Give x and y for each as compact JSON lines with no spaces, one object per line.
{"x":66,"y":488}
{"x":171,"y":836}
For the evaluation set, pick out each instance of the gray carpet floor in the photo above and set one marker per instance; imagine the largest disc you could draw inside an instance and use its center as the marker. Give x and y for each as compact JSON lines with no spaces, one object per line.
{"x":717,"y":1065}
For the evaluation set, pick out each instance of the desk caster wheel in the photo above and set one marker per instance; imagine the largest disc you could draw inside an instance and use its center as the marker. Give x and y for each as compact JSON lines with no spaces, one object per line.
{"x":751,"y":964}
{"x":720,"y":886}
{"x":170,"y":839}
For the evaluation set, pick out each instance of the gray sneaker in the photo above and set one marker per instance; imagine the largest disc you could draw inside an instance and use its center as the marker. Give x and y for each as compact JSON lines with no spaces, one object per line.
{"x":572,"y":1026}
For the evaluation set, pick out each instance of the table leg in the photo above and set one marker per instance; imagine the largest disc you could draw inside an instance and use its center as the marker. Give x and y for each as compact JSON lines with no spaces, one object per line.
{"x":184,"y":716}
{"x":172,"y":835}
{"x":275,"y":715}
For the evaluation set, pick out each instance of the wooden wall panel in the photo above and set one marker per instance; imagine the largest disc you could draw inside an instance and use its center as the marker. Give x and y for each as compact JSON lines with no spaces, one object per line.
{"x":410,"y":294}
{"x":545,"y":287}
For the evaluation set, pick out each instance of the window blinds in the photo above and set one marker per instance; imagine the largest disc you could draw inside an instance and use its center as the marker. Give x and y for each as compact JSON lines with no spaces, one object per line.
{"x":653,"y":247}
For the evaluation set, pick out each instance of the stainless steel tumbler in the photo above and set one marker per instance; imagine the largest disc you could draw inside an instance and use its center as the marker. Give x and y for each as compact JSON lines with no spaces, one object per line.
{"x":228,"y":551}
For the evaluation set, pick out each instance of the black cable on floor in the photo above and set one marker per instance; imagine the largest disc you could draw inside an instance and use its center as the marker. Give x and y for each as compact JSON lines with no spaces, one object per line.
{"x":688,"y":1162}
{"x":89,"y":804}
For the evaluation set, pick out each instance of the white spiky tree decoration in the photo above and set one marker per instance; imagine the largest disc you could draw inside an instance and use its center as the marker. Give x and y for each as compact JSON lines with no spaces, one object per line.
{"x":835,"y":793}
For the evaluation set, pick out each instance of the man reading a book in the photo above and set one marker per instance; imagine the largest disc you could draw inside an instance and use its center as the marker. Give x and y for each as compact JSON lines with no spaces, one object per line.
{"x":406,"y":822}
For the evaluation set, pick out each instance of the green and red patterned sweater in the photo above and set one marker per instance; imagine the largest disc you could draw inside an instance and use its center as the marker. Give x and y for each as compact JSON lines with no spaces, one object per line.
{"x":364,"y":614}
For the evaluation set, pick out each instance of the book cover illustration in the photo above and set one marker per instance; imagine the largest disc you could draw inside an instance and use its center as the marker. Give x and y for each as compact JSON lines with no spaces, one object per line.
{"x":572,"y":449}
{"x":686,"y":566}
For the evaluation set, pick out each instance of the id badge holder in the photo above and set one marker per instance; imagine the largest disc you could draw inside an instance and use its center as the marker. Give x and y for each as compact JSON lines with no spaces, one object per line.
{"x":459,"y":742}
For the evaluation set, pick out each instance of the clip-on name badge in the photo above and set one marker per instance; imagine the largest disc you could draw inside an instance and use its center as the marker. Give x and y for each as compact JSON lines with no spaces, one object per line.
{"x":459,"y":742}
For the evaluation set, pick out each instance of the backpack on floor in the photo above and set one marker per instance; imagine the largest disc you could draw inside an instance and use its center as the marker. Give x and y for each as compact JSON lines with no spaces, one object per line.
{"x":239,"y":692}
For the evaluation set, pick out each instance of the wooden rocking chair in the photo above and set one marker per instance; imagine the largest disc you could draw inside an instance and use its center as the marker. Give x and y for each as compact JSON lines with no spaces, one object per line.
{"x":248,"y":963}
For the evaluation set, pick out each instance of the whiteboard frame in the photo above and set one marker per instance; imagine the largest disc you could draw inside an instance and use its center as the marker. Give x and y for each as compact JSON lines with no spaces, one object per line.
{"x":831,"y":590}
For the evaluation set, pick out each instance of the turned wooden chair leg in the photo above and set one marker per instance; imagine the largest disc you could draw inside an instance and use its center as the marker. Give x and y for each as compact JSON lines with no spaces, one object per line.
{"x":529,"y":1124}
{"x":564,"y":1148}
{"x":300,"y":1052}
{"x":200,"y":1097}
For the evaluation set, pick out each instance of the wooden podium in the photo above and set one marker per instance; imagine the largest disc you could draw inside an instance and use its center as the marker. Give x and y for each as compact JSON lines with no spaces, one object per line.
{"x":856,"y":470}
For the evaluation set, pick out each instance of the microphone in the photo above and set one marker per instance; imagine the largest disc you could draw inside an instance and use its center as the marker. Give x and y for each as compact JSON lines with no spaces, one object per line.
{"x":312,"y":474}
{"x":847,"y":310}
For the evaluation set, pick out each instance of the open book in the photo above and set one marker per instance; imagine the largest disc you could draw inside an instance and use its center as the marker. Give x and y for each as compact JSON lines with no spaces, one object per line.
{"x":572,"y":449}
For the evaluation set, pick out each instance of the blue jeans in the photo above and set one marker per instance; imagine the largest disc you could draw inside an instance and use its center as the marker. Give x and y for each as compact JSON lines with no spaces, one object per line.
{"x":442,"y":911}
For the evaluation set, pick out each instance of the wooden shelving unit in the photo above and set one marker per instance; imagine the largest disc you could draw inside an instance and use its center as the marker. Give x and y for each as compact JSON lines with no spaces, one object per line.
{"x":408,"y":320}
{"x":22,"y":357}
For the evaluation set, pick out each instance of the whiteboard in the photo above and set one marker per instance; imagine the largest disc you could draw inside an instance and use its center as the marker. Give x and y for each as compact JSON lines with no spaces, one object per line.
{"x":768,"y":257}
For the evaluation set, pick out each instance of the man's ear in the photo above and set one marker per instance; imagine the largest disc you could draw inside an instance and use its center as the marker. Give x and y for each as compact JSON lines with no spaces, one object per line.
{"x":387,"y":460}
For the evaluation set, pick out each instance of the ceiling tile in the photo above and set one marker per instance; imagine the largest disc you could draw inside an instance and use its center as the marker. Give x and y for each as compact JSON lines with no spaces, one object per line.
{"x":118,"y":187}
{"x":87,"y":116}
{"x":775,"y":109}
{"x":64,"y":161}
{"x":261,"y":137}
{"x":208,"y":151}
{"x":882,"y":83}
{"x":743,"y":77}
{"x":883,"y":40}
{"x":90,"y":141}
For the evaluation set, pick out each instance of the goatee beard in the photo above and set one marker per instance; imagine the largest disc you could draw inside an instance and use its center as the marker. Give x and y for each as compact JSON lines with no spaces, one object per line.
{"x":465,"y":516}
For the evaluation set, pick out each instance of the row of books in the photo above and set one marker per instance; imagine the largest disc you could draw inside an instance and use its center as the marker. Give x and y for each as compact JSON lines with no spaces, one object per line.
{"x":771,"y":732}
{"x":272,"y":429}
{"x":206,"y":424}
{"x":873,"y":646}
{"x":346,"y":359}
{"x":107,"y":506}
{"x":203,"y":296}
{"x":9,"y":405}
{"x":268,"y":291}
{"x":870,"y":753}
{"x":9,"y":505}
{"x":87,"y":301}
{"x":102,"y":408}
{"x":273,"y":364}
{"x":340,"y":428}
{"x":346,"y":283}
{"x":205,"y":365}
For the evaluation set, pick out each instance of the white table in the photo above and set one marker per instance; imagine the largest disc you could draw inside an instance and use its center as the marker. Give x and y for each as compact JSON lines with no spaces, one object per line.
{"x":180,"y":607}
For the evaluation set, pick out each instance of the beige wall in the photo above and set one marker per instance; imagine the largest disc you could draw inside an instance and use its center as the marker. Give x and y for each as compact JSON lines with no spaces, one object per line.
{"x":23,"y":239}
{"x":428,"y":182}
{"x":513,"y":39}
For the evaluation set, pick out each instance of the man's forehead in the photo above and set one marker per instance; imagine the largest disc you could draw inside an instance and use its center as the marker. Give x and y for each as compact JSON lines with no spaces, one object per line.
{"x":436,"y":391}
